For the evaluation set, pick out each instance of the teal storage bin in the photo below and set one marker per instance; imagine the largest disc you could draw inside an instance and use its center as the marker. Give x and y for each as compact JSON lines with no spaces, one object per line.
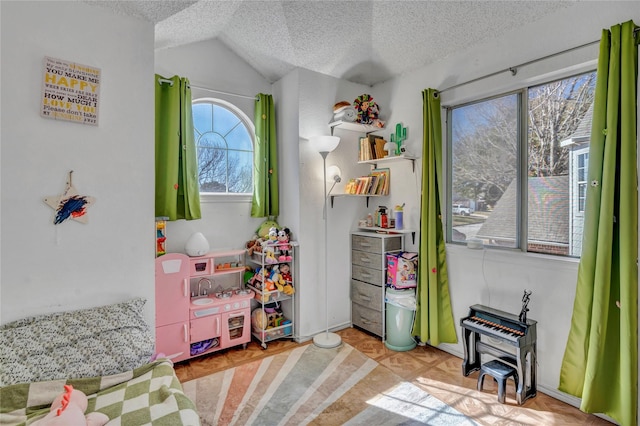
{"x":400,"y":312}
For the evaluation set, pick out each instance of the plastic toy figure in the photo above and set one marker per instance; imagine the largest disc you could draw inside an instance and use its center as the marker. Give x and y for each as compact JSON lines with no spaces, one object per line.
{"x":525,"y":306}
{"x":283,"y":244}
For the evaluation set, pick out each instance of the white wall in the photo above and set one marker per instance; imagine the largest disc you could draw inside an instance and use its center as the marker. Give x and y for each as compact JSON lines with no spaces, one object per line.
{"x":317,"y":95}
{"x":210,"y":64}
{"x":492,"y":277}
{"x":285,"y":97}
{"x":46,"y":267}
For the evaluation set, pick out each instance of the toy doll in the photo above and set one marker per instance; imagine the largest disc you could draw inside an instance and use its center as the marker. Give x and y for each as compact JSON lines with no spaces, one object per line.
{"x":68,"y":409}
{"x":269,"y":246}
{"x":285,"y":272}
{"x":283,"y":243}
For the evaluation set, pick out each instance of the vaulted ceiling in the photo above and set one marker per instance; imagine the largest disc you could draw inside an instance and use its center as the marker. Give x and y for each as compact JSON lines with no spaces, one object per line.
{"x":365,"y":42}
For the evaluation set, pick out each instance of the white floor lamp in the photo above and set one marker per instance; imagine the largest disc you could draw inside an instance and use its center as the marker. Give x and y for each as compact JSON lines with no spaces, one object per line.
{"x":324,"y":145}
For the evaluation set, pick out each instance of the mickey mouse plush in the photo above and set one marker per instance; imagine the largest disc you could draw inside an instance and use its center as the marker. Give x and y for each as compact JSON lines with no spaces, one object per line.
{"x":283,"y":242}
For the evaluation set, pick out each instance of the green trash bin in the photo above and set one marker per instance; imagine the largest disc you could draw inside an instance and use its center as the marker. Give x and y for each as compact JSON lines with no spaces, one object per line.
{"x":400,"y":312}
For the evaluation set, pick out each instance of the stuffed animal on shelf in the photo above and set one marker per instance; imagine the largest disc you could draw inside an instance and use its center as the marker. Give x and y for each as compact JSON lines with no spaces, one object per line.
{"x":68,"y":409}
{"x":264,"y":229}
{"x":256,"y":279}
{"x":269,"y":246}
{"x":285,"y":273}
{"x":276,"y":278}
{"x":284,"y":236}
{"x":254,"y":245}
{"x":288,"y":289}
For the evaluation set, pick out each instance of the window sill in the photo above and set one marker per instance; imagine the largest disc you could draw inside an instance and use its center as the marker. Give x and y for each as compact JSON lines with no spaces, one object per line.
{"x":225,"y":198}
{"x":514,"y":256}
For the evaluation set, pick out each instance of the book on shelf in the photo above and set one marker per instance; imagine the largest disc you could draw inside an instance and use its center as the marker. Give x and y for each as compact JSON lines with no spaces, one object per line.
{"x":371,"y":148}
{"x":383,"y":175}
{"x":375,"y":183}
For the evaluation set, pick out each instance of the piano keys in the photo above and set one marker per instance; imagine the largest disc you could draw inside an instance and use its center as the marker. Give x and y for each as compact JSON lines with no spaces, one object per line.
{"x":508,"y":339}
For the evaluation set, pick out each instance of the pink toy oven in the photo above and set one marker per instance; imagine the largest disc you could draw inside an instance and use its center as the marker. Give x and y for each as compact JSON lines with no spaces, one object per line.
{"x":222,"y":324}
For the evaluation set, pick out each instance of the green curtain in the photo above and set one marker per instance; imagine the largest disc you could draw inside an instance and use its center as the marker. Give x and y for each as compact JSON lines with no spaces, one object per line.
{"x":600,"y":363}
{"x":177,"y":191}
{"x":265,"y":160}
{"x":434,"y":318}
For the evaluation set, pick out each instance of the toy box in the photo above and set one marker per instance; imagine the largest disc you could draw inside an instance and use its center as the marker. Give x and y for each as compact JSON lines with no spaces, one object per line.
{"x":402,"y":270}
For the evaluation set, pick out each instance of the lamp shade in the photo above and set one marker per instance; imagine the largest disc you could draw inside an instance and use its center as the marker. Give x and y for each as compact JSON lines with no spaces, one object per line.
{"x":325,"y":143}
{"x":334,"y":174}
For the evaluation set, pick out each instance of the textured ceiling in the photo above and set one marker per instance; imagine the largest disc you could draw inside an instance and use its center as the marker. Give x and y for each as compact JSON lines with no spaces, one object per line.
{"x":361,"y":41}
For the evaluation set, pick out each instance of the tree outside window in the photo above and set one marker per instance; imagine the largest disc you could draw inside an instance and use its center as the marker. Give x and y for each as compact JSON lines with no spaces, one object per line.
{"x":224,"y":144}
{"x":490,"y":144}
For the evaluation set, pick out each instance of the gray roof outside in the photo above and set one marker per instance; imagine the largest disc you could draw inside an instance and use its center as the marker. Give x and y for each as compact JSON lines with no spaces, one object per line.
{"x":583,"y":131}
{"x":548,"y":205}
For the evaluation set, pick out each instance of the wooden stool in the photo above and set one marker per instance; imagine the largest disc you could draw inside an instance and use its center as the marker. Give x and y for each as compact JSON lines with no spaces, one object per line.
{"x":500,"y":373}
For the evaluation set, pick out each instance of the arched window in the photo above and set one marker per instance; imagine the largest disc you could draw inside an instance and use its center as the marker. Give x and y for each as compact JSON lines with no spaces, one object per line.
{"x":224,"y":138}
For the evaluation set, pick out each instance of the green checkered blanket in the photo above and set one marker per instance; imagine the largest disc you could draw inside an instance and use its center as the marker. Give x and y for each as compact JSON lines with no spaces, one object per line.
{"x":148,"y":395}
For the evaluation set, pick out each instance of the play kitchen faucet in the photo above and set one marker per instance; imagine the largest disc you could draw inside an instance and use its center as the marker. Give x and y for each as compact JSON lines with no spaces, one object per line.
{"x":202,"y":292}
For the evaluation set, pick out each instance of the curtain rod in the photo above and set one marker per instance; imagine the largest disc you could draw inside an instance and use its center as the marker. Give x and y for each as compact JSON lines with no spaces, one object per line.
{"x":170,"y":83}
{"x":255,"y":98}
{"x":514,"y":69}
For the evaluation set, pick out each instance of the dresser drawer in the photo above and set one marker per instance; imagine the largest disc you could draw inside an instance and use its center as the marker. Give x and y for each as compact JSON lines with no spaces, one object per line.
{"x":366,"y":295}
{"x":369,"y":319}
{"x":378,"y":245}
{"x":370,"y":260}
{"x":373,"y":276}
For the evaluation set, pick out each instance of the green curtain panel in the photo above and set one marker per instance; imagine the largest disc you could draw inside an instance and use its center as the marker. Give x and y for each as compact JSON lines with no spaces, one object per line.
{"x":177,"y":191}
{"x":600,"y":363}
{"x":434,"y":318}
{"x":265,"y":160}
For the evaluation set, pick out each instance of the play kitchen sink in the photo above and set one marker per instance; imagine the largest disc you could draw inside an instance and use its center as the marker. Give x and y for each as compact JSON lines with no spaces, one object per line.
{"x":204,"y":301}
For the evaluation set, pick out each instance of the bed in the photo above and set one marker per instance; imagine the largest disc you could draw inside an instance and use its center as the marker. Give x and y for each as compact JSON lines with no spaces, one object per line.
{"x":106,"y":352}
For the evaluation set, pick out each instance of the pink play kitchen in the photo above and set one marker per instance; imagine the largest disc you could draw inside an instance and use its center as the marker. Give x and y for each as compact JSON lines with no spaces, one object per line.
{"x":201,"y":304}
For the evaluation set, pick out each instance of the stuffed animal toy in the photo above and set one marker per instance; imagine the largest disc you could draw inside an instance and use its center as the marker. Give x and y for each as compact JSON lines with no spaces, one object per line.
{"x":285,"y":271}
{"x":68,"y":409}
{"x":288,"y":289}
{"x":254,"y":244}
{"x":276,"y":278}
{"x":269,"y":246}
{"x":257,"y":278}
{"x":265,"y":227}
{"x":284,"y":235}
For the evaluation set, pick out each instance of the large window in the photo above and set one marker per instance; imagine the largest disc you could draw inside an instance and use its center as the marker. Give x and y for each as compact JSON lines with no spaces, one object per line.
{"x":224,"y":142}
{"x":518,"y":164}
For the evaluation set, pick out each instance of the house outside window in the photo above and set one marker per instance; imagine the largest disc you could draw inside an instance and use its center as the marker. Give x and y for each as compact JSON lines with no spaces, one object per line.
{"x":224,"y":138}
{"x":578,"y":146}
{"x":581,"y":180}
{"x":519,"y":162}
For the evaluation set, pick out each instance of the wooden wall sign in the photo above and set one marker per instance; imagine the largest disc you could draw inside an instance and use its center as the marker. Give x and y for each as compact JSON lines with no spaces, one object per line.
{"x":70,"y":91}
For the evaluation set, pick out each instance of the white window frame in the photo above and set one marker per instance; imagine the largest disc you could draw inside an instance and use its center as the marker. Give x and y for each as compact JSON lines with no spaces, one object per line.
{"x":522,"y":199}
{"x":218,"y":197}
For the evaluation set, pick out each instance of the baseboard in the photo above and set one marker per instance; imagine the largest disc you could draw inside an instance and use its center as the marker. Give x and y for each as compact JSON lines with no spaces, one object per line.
{"x":302,"y":339}
{"x":569,"y":399}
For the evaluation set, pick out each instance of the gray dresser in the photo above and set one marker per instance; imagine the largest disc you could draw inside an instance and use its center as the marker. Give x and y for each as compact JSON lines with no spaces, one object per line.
{"x":368,"y":277}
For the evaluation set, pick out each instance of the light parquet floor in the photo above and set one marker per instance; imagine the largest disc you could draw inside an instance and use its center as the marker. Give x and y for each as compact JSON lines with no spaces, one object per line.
{"x":435,"y":371}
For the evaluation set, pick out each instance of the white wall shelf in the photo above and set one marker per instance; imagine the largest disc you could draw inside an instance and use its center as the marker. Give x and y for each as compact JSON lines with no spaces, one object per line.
{"x":389,"y":231}
{"x":354,"y":127}
{"x":355,"y":195}
{"x":403,"y":157}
